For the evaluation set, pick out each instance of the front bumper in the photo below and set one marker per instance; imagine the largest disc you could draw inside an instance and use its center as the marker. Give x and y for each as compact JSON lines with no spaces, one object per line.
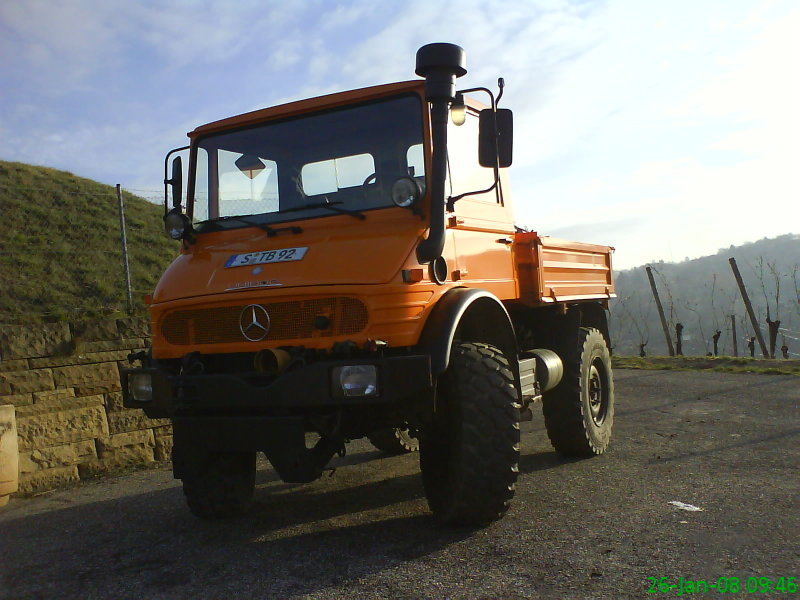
{"x":399,"y":377}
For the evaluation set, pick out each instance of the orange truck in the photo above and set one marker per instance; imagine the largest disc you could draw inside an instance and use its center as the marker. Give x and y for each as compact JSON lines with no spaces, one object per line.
{"x":349,"y":267}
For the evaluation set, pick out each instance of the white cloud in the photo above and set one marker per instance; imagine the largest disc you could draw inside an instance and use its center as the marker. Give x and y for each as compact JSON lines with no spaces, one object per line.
{"x":58,"y":45}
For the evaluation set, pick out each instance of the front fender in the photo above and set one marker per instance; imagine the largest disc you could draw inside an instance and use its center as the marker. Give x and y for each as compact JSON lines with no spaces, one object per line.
{"x":474,"y":315}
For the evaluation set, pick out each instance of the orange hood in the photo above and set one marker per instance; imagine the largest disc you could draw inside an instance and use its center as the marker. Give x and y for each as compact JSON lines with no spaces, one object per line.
{"x":338,"y":250}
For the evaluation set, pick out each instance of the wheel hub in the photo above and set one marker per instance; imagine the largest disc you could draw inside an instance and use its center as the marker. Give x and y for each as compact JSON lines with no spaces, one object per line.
{"x":597,"y":395}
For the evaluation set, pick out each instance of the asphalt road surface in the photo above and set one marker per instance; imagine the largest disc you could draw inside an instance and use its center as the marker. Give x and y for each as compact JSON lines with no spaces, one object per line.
{"x":728,"y":444}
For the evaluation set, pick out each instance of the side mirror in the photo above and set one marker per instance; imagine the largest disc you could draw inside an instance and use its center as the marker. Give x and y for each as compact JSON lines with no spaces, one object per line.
{"x":176,"y":181}
{"x":495,"y":137}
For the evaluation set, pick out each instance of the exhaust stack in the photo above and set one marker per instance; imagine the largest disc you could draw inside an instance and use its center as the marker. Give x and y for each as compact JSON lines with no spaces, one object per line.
{"x":440,"y":64}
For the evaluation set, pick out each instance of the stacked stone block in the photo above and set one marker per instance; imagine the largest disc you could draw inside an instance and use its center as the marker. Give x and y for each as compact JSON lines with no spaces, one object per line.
{"x":64,"y":381}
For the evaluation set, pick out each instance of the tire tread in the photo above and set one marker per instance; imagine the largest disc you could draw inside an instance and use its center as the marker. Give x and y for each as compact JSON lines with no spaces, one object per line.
{"x":478,"y":482}
{"x":563,"y":408}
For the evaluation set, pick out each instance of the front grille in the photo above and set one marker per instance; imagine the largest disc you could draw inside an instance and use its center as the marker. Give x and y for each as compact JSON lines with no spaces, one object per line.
{"x":288,"y":321}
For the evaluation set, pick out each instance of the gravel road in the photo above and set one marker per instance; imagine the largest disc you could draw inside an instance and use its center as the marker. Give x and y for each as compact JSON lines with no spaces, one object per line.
{"x":597,"y":528}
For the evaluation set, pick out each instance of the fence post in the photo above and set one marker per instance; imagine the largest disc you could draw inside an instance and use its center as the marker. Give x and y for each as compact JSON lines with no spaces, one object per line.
{"x":748,"y":306}
{"x":733,"y":334}
{"x":660,"y":312}
{"x":124,"y":240}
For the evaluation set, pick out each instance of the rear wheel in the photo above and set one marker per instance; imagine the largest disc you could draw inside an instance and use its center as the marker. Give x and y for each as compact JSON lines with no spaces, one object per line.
{"x":579,"y":412}
{"x":469,"y":456}
{"x":223,"y":486}
{"x":394,"y":440}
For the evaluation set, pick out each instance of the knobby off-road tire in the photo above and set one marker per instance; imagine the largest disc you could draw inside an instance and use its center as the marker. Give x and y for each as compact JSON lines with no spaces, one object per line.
{"x":394,"y":440}
{"x":579,"y":412}
{"x":469,"y":457}
{"x":223,"y":487}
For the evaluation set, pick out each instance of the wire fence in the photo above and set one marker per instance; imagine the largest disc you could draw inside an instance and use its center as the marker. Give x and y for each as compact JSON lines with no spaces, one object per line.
{"x":65,"y":273}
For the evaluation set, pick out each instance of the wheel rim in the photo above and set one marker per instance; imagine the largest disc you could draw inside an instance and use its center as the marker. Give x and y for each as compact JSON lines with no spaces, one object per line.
{"x":408,"y":441}
{"x":598,"y":395}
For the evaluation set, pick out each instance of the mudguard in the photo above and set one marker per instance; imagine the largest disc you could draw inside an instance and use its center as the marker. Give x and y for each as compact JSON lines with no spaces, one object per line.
{"x":472,"y":314}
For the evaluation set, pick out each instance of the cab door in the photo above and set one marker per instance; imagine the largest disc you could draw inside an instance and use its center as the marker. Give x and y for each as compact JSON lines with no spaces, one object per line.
{"x":481,"y":225}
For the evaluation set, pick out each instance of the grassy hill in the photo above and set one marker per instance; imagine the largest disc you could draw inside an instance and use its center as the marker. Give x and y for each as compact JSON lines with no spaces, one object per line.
{"x":60,"y":252}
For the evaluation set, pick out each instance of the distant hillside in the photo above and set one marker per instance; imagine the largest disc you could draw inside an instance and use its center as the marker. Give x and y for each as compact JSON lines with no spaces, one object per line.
{"x":60,"y":253}
{"x":701,"y":294}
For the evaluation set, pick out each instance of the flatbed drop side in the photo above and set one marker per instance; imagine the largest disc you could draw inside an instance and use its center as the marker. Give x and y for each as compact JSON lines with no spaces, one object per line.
{"x":350,"y":267}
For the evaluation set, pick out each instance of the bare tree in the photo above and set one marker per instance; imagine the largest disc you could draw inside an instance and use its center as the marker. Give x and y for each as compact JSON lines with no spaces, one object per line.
{"x":777,"y":278}
{"x":713,"y":307}
{"x":729,"y":303}
{"x":630,"y":319}
{"x":670,"y":299}
{"x":796,"y":281}
{"x":699,"y":325}
{"x":773,"y":325}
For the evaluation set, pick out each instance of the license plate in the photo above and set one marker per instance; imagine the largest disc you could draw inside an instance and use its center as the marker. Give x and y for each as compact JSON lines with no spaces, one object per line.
{"x":267,"y":256}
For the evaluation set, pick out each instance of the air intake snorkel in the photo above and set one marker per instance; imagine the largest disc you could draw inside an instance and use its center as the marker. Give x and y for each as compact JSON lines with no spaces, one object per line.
{"x":439,"y":64}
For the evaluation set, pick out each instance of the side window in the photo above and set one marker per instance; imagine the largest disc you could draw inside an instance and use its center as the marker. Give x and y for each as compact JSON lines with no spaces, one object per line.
{"x":200,"y":207}
{"x":465,"y":174}
{"x":247,"y":184}
{"x":415,"y":159}
{"x":330,"y":176}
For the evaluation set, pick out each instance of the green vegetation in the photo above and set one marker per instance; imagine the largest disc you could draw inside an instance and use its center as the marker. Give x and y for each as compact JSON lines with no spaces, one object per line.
{"x":60,"y":251}
{"x":728,"y":364}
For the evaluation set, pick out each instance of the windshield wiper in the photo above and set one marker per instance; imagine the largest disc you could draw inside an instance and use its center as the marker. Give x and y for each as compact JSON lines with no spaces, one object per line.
{"x":271,"y":231}
{"x":330,"y":206}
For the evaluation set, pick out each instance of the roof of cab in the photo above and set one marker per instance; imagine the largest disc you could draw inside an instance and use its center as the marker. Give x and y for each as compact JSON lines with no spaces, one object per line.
{"x":310,"y":104}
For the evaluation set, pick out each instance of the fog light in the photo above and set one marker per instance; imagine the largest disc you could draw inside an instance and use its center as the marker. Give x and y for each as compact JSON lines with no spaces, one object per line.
{"x":140,"y":387}
{"x":356,"y":380}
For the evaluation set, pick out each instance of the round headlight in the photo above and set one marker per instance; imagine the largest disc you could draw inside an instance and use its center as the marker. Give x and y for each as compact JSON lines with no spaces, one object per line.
{"x":406,"y":191}
{"x":175,"y":224}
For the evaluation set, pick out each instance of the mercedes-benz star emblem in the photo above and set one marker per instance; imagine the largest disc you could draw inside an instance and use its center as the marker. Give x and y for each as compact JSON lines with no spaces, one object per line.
{"x":254,"y":322}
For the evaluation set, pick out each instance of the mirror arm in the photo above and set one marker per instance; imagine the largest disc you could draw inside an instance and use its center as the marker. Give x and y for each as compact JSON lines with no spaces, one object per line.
{"x":482,"y":89}
{"x":453,"y":199}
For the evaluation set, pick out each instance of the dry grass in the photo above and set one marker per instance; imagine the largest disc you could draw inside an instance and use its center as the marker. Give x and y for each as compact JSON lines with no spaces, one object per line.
{"x":728,"y":364}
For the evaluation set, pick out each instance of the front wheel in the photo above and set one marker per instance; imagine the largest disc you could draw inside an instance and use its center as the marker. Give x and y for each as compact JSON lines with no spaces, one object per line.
{"x":579,"y":412}
{"x":469,"y":456}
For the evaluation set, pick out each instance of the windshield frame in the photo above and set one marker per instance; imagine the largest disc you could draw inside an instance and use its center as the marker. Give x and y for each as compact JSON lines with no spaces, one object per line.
{"x":299,"y":212}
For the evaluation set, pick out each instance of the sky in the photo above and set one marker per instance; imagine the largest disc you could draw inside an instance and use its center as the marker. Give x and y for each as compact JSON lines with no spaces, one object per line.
{"x":668,"y":130}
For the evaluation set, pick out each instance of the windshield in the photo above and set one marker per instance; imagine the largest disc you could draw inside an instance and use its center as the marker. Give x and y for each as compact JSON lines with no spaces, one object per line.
{"x":348,"y":157}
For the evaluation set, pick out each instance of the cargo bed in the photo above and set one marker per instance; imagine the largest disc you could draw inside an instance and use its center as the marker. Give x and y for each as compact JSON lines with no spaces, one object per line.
{"x":553,"y":270}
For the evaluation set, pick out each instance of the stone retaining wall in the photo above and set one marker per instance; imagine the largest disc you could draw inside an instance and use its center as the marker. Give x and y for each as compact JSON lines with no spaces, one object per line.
{"x":63,"y":379}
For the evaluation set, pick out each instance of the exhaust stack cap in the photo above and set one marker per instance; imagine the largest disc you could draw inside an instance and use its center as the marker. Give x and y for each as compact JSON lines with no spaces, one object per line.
{"x":440,"y":63}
